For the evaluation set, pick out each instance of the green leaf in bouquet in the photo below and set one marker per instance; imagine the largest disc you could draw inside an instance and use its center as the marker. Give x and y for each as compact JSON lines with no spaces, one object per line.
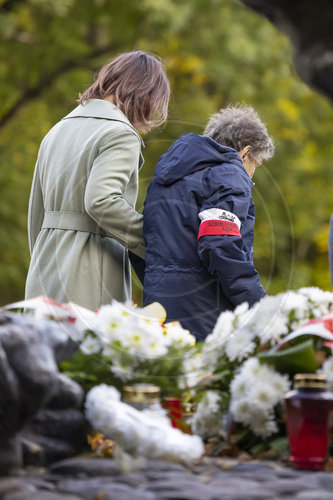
{"x":258,"y":449}
{"x":88,"y":370}
{"x":297,"y":359}
{"x":270,"y":448}
{"x":279,"y":444}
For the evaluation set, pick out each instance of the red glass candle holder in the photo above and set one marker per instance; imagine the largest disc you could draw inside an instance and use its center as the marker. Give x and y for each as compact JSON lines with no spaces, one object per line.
{"x":180,"y":413}
{"x":307,"y":410}
{"x":173,"y":405}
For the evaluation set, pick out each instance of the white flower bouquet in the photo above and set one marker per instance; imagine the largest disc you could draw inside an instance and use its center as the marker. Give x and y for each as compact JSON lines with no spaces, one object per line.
{"x":238,"y":376}
{"x":251,"y":356}
{"x":121,"y":340}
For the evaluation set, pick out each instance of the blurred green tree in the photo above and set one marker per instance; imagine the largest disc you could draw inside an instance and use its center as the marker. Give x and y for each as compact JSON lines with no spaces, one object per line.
{"x":216,"y":52}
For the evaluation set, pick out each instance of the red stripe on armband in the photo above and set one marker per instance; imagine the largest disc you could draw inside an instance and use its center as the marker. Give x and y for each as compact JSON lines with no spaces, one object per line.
{"x":218,"y":227}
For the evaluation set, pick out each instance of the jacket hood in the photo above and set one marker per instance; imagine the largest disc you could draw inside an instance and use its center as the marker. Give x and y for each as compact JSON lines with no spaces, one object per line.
{"x":191,"y":153}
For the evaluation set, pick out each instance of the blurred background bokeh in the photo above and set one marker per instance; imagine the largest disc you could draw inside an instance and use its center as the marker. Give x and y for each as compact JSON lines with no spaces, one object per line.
{"x":216,"y":52}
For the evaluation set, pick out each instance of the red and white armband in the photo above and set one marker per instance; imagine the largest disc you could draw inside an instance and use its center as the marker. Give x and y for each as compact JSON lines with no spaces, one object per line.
{"x":218,"y":221}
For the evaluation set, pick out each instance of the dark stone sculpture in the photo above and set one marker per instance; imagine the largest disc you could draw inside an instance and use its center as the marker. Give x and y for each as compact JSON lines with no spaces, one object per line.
{"x":35,"y":398}
{"x":309,"y":26}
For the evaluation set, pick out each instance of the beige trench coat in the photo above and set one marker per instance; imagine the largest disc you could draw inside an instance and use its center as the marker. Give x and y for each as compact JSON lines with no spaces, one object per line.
{"x":82,"y":217}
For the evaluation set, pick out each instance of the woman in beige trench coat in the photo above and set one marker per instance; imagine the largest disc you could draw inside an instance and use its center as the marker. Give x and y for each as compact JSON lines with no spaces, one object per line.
{"x":82,"y":219}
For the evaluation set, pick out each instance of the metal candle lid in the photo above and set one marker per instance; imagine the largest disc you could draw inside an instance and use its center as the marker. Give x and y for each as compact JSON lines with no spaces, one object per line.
{"x":189,"y":409}
{"x":141,"y":393}
{"x":309,"y":381}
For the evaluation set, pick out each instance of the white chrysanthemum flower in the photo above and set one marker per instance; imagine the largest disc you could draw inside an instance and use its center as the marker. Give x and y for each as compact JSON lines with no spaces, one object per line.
{"x":223,"y":328}
{"x":260,"y":420}
{"x":176,"y":334}
{"x":210,"y":357}
{"x":240,"y":386}
{"x":214,"y":346}
{"x":151,"y":322}
{"x":327,"y":369}
{"x":211,"y":402}
{"x":269,"y":311}
{"x":194,"y":371}
{"x":263,"y":396}
{"x":109,"y":352}
{"x":112,"y":323}
{"x":207,"y":420}
{"x":90,"y":345}
{"x":248,"y":319}
{"x":251,"y":368}
{"x":137,"y":335}
{"x":263,"y":425}
{"x":255,"y":391}
{"x":156,"y":348}
{"x":241,"y":410}
{"x":142,"y":339}
{"x":135,"y":339}
{"x":274,"y":330}
{"x":320,"y":301}
{"x":241,"y":309}
{"x":317,"y":295}
{"x":240,"y":345}
{"x":280,"y":384}
{"x":297,"y":303}
{"x":85,"y":320}
{"x":121,"y":370}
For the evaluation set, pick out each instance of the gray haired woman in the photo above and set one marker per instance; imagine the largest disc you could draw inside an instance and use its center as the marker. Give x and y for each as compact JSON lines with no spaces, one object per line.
{"x":82,"y":218}
{"x":199,"y":221}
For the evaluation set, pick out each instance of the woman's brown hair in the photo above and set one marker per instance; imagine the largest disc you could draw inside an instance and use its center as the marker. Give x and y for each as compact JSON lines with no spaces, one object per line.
{"x":139,"y":86}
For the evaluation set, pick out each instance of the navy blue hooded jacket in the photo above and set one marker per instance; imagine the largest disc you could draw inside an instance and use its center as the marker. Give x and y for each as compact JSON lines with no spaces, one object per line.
{"x":198,"y":227}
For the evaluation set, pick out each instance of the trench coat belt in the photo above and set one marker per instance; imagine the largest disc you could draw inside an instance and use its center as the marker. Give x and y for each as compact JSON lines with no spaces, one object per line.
{"x":71,"y":221}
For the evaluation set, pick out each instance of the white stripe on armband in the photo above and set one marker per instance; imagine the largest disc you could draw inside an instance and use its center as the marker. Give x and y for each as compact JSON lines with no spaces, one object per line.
{"x":219,"y":214}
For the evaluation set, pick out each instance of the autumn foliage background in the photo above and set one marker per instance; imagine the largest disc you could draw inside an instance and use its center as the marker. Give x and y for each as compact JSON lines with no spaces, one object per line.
{"x":216,"y":52}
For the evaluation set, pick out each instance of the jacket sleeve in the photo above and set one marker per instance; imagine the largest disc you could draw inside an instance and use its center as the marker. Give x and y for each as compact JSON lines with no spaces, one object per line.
{"x":117,"y":161}
{"x":36,"y":209}
{"x":221,"y":248}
